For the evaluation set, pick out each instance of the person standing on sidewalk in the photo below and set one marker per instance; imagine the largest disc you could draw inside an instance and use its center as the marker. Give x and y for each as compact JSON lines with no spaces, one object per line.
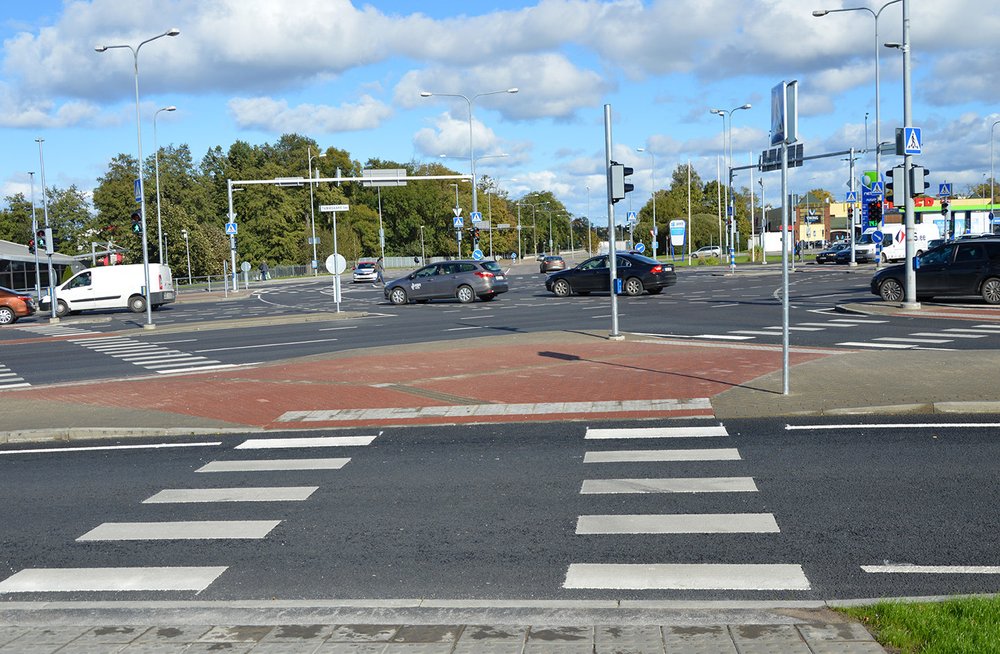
{"x":379,"y":273}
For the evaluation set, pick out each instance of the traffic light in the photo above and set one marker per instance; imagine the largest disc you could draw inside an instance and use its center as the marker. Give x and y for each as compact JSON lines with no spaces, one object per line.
{"x":944,"y":206}
{"x":31,"y":245}
{"x":918,"y":180}
{"x":49,"y":243}
{"x":40,"y":240}
{"x":850,"y":215}
{"x":889,"y":179}
{"x":619,"y":187}
{"x":874,"y":214}
{"x":136,"y":222}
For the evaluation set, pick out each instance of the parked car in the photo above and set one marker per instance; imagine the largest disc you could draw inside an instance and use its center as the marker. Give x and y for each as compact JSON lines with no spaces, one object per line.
{"x":638,"y":274}
{"x":829,"y":255}
{"x":550,"y":263}
{"x":461,"y":280}
{"x":364,"y":271}
{"x":965,"y":267}
{"x":14,"y":305}
{"x":707,"y":251}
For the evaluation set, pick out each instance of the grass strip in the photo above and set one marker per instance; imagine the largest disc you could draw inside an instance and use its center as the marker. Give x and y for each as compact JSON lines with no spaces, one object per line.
{"x":959,"y":626}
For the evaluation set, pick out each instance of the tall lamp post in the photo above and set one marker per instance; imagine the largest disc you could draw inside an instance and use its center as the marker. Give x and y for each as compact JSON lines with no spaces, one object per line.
{"x":138,"y":130}
{"x":727,"y":153}
{"x":878,"y":116}
{"x":312,"y":208}
{"x":992,"y":178}
{"x":187,"y":247}
{"x":423,"y":256}
{"x":652,"y":177}
{"x":156,"y":158}
{"x":472,"y":153}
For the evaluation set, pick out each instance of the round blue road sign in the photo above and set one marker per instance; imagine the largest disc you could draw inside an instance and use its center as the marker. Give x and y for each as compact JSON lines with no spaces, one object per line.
{"x":477,"y":254}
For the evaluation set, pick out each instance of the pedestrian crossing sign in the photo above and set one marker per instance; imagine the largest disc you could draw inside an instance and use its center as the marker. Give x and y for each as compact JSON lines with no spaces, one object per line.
{"x":231,"y":229}
{"x":912,"y":143}
{"x":852,"y":196}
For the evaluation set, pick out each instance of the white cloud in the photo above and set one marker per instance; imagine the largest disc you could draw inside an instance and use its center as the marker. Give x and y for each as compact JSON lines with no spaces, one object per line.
{"x":276,"y":116}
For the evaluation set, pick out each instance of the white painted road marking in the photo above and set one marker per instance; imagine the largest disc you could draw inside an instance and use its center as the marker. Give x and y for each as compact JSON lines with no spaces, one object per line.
{"x":898,"y":425}
{"x":269,"y":494}
{"x":154,"y":446}
{"x":679,"y":576}
{"x":274,"y":464}
{"x":693,"y":523}
{"x":673,"y":485}
{"x":56,"y":580}
{"x":322,"y":441}
{"x":658,"y":432}
{"x":934,"y":569}
{"x":647,"y":456}
{"x":191,"y":530}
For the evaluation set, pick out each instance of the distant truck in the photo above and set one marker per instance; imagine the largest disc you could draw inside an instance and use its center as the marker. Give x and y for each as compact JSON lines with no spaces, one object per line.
{"x":894,"y":242}
{"x":113,"y":287}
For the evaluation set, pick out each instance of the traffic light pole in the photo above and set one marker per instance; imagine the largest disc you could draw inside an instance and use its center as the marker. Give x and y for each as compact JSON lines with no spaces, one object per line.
{"x":911,"y":275}
{"x":612,"y":249}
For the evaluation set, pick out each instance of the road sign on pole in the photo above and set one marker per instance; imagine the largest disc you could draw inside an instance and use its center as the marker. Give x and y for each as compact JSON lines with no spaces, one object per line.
{"x":944,"y":190}
{"x":912,"y":143}
{"x":231,"y":229}
{"x":852,"y":196}
{"x":458,"y":222}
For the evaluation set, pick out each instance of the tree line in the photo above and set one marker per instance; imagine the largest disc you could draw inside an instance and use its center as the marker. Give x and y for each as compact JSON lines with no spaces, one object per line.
{"x":275,"y":222}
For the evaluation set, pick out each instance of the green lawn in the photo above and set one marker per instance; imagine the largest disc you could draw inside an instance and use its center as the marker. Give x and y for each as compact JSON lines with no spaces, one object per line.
{"x":960,"y":626}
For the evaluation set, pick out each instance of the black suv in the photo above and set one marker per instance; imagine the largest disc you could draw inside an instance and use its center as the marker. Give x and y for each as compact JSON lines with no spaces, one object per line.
{"x":964,"y":267}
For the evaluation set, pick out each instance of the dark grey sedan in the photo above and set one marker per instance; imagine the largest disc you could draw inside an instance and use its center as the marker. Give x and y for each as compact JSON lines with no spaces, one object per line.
{"x":460,"y":280}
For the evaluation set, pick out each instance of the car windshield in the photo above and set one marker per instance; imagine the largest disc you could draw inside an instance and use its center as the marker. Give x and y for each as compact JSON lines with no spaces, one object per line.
{"x":362,"y":266}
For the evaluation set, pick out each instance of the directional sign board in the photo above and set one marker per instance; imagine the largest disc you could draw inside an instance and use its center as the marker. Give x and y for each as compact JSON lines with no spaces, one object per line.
{"x":458,"y":222}
{"x":231,"y":229}
{"x":384,"y":177}
{"x":328,"y":208}
{"x":912,"y":143}
{"x":944,"y":190}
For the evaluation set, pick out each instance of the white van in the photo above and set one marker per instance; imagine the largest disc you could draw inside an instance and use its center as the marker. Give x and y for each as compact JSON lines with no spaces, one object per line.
{"x":894,"y":241}
{"x":113,"y":287}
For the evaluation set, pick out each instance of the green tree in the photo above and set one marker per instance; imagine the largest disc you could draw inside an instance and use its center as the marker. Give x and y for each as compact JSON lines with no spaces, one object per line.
{"x":15,"y":219}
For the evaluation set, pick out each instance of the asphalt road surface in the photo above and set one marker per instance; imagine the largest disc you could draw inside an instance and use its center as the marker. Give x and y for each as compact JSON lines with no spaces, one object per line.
{"x":702,"y":306}
{"x":532,"y":511}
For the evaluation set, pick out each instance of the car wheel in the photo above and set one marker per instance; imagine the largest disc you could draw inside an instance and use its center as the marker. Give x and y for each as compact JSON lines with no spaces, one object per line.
{"x":883,"y":258}
{"x":562,"y":288}
{"x":465,"y":294}
{"x":7,"y":316}
{"x":633,"y":286}
{"x":397,"y":295}
{"x":891,"y":290}
{"x":62,"y":309}
{"x":991,"y":290}
{"x":137,"y":304}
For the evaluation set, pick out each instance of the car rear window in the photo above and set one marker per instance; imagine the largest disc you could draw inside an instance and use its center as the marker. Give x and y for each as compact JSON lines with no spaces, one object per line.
{"x":492,"y":266}
{"x":642,"y":259}
{"x":993,"y":252}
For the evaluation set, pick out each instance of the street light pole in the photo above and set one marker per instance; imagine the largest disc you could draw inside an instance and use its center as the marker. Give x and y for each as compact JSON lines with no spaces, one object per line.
{"x":878,"y":112}
{"x":312,"y":207}
{"x":156,"y":151}
{"x":992,"y":178}
{"x":187,"y":247}
{"x":472,"y":154}
{"x":423,"y":256}
{"x":138,"y":129}
{"x":727,"y":153}
{"x":45,"y":210}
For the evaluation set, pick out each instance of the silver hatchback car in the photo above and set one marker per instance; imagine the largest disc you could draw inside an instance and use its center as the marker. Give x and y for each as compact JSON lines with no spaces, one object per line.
{"x":463,"y":280}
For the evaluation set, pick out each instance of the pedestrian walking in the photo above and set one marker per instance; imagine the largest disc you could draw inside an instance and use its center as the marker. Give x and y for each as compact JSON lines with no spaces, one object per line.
{"x":264,"y":273}
{"x":379,"y":270}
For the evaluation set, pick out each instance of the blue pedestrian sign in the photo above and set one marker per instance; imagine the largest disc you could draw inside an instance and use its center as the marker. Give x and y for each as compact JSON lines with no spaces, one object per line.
{"x":477,"y":254}
{"x":640,"y":248}
{"x":230,"y":229}
{"x":632,"y":217}
{"x":458,"y":222}
{"x":878,"y":188}
{"x":852,"y":196}
{"x":912,"y":143}
{"x":137,"y":186}
{"x":944,"y":190}
{"x":476,"y":216}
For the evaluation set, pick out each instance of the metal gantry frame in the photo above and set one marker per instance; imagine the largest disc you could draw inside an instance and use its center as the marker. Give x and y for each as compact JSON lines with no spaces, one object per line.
{"x":299,"y":181}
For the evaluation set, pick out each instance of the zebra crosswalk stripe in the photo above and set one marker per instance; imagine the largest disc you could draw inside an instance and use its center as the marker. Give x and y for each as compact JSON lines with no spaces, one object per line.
{"x":686,"y":576}
{"x":65,"y":580}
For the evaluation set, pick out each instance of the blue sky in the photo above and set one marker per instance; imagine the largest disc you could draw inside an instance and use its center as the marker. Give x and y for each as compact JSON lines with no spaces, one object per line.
{"x":349,"y":75}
